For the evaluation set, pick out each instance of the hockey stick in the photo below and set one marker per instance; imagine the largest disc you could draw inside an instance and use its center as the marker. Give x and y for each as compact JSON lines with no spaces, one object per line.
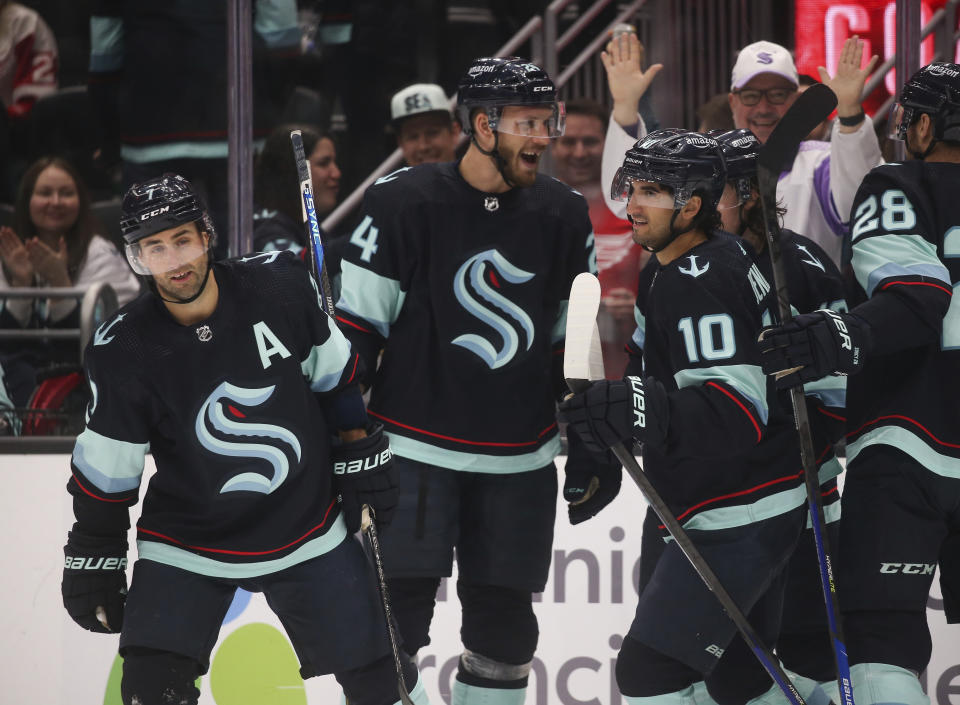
{"x":319,"y":269}
{"x":810,"y":108}
{"x":580,"y":368}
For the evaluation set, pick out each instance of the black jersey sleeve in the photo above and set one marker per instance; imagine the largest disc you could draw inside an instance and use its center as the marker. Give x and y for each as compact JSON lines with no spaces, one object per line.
{"x":896,"y":262}
{"x":375,"y":269}
{"x":718,"y":405}
{"x":108,"y":456}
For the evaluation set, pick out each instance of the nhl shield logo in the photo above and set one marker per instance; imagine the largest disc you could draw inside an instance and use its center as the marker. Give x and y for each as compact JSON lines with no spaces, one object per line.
{"x":491,"y":203}
{"x":204,"y":333}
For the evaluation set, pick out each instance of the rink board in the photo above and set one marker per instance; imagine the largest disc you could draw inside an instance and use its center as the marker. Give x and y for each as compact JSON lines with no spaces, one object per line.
{"x":583,"y":613}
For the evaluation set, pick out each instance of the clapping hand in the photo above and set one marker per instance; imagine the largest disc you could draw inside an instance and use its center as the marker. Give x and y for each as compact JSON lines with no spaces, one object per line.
{"x":16,"y":258}
{"x":49,"y":263}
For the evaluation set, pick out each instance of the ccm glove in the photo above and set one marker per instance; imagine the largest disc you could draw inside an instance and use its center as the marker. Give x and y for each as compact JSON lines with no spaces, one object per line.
{"x":362,"y":473}
{"x":611,"y":412}
{"x":812,"y":346}
{"x":591,"y":483}
{"x":94,"y":576}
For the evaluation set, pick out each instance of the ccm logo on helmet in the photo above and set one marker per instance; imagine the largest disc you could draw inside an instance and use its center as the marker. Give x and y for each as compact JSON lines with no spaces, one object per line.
{"x":541,"y":89}
{"x":155,"y":212}
{"x":363,"y":464}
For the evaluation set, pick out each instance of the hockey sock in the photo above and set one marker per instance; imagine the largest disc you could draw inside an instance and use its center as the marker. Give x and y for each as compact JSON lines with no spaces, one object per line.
{"x":508,"y":687}
{"x":883,"y":684}
{"x":418,"y":694}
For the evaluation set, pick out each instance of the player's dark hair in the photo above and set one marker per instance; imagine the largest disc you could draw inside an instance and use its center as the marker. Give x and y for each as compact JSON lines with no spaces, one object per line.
{"x":707,"y":218}
{"x":78,"y":235}
{"x":276,"y":183}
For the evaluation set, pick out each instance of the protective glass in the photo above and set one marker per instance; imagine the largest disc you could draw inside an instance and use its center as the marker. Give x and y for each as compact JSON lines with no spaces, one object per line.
{"x":641,"y":193}
{"x":530,"y":126}
{"x":898,"y":121}
{"x":774,"y":96}
{"x":161,"y":256}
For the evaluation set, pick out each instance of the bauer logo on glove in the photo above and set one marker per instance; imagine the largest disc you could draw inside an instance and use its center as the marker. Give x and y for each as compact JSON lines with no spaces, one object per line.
{"x":369,"y":463}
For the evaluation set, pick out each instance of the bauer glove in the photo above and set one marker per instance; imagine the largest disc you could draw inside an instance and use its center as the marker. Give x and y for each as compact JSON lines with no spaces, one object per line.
{"x":94,"y":583}
{"x":611,"y":412}
{"x":592,"y":480}
{"x":362,"y":474}
{"x":812,"y":346}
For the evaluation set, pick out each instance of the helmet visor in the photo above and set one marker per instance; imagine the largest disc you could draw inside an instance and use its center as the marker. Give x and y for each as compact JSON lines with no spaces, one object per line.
{"x":153,"y":256}
{"x":898,"y":121}
{"x":536,"y":120}
{"x":736,"y":192}
{"x":640,"y":192}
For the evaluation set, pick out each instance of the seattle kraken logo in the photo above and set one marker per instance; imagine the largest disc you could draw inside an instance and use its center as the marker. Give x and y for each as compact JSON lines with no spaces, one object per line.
{"x":212,"y":411}
{"x":813,"y":261}
{"x":472,"y":272}
{"x":694,"y":270}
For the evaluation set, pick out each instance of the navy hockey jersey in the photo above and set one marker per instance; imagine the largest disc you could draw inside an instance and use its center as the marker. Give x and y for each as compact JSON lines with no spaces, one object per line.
{"x":227,"y":407}
{"x":906,"y":245}
{"x":466,"y":293}
{"x":732,"y":454}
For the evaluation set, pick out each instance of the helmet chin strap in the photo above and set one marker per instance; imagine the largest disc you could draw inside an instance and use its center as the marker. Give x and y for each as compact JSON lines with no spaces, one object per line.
{"x":190,"y":300}
{"x":494,"y":154}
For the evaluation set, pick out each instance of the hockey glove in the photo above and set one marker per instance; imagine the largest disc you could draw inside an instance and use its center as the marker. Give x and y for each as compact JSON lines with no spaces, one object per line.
{"x":611,"y":412}
{"x":94,"y":583}
{"x":592,"y":482}
{"x":812,"y":346}
{"x":362,"y":473}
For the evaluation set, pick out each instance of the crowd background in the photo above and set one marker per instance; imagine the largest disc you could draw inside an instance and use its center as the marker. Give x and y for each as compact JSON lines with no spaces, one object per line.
{"x":121,"y":91}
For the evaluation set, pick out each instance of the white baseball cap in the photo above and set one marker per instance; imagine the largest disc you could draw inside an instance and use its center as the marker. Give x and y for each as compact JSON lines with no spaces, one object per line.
{"x":762,"y":57}
{"x":418,"y":98}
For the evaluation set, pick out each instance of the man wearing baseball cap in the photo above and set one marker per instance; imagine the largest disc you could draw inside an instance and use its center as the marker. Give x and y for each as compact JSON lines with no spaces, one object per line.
{"x":818,"y":191}
{"x":425,"y":128}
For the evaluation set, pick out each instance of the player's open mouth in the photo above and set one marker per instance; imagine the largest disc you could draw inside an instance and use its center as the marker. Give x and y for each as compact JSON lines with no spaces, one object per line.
{"x":529,"y":158}
{"x":181,"y":277}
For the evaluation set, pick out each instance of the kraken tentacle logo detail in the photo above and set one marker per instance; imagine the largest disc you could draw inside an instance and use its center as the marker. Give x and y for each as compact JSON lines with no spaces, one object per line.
{"x":470,"y":277}
{"x":213,"y":412}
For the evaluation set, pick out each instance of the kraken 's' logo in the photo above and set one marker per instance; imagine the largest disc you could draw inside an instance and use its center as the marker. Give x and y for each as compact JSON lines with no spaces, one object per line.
{"x":471,"y":278}
{"x":213,"y":411}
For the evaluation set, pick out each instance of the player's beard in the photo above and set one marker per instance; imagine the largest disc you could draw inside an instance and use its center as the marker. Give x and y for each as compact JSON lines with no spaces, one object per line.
{"x":185,"y":290}
{"x":518,"y":171}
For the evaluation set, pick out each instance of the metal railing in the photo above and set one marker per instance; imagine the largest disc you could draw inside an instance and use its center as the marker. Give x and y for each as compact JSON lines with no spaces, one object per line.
{"x":97,"y":302}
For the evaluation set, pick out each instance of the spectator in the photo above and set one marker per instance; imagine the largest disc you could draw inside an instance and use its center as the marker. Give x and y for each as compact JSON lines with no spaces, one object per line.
{"x":425,"y":128}
{"x":619,"y":260}
{"x":54,"y":243}
{"x":278,"y":223}
{"x":715,"y":114}
{"x":159,"y":84}
{"x":818,"y":191}
{"x":28,"y":58}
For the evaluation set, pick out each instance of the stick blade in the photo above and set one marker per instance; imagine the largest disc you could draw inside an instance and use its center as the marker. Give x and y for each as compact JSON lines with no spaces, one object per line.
{"x":583,"y":356}
{"x":811,"y":107}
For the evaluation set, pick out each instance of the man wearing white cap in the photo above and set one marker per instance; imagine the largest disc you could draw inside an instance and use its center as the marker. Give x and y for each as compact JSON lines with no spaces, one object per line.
{"x":425,"y":128}
{"x":818,"y":191}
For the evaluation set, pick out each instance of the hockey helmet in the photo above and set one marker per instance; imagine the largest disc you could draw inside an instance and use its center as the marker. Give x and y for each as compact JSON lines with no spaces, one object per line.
{"x":741,"y":150}
{"x":935,"y":90}
{"x":493,"y":83}
{"x":160,"y":204}
{"x":683,"y":160}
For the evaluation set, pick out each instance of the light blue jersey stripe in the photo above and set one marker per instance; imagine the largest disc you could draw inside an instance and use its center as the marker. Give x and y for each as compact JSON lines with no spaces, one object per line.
{"x":831,"y":390}
{"x":884,"y":256}
{"x":369,"y":296}
{"x":474,"y":462}
{"x":464,"y":694}
{"x":324,"y":365}
{"x":560,"y":327}
{"x":112,"y":466}
{"x":911,"y":444}
{"x":640,"y":333}
{"x":106,"y":44}
{"x":749,"y":380}
{"x":187,"y":560}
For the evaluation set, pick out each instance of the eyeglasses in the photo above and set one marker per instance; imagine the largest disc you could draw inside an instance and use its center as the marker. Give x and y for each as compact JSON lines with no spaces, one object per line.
{"x":774,"y":96}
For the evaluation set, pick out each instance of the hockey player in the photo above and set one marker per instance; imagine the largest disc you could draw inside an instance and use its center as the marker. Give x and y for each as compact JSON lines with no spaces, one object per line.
{"x":460,"y":272}
{"x":717,"y":444}
{"x":900,"y":347}
{"x":235,"y":379}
